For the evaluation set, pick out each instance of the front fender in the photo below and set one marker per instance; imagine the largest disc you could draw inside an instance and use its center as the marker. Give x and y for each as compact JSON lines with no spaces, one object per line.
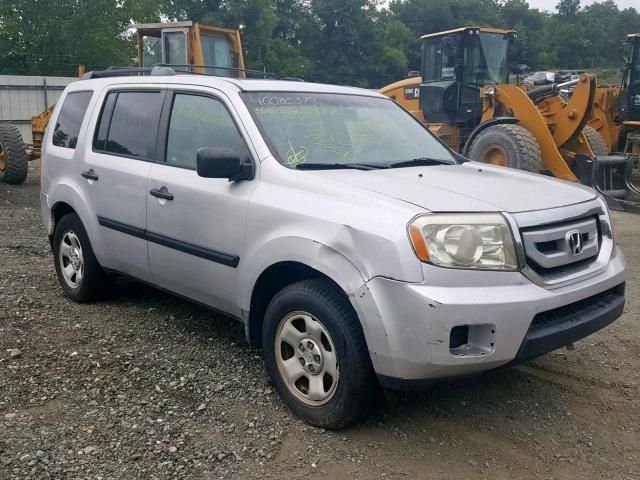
{"x":303,"y":250}
{"x":334,"y":265}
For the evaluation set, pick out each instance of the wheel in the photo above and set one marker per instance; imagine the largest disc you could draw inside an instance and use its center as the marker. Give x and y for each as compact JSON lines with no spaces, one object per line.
{"x":79,"y":274}
{"x":316,"y":354}
{"x":507,"y":145}
{"x":13,"y":155}
{"x":596,"y":142}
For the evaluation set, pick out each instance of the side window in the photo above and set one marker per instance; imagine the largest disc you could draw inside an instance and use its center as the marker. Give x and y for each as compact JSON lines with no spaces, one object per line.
{"x":70,"y":119}
{"x":196,"y":122}
{"x":100,"y":142}
{"x":128,"y":124}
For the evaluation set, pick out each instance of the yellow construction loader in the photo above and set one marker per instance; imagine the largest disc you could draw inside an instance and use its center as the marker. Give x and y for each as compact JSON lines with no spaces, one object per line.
{"x":616,"y":115}
{"x":190,"y":46}
{"x":464,"y":96}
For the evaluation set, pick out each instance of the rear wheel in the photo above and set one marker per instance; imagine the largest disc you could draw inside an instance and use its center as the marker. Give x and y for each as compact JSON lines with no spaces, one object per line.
{"x":79,"y":274}
{"x":596,"y":142}
{"x":13,"y":155}
{"x":315,"y":352}
{"x":507,"y":145}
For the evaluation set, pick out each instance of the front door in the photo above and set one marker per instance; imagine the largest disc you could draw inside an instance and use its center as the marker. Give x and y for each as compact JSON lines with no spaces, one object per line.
{"x":196,"y":226}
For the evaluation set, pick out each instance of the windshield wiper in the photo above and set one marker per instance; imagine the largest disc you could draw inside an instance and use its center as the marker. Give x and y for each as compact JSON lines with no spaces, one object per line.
{"x":335,"y":166}
{"x":422,"y":161}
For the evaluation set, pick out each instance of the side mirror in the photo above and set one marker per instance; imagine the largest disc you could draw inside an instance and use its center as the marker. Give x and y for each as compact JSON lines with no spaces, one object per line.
{"x":413,"y":73}
{"x":214,"y":162}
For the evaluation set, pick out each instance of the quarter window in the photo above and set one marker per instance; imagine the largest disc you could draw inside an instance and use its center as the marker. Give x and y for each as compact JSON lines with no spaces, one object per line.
{"x":129,"y":127}
{"x":70,"y":119}
{"x":196,"y":122}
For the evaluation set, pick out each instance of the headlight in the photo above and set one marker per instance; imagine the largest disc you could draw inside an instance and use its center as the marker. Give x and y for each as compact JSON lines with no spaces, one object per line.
{"x":478,"y":241}
{"x":605,"y":218}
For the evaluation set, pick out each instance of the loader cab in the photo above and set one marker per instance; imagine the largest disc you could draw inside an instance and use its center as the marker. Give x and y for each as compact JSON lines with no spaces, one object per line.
{"x":455,"y":66}
{"x":630,"y":94}
{"x":189,"y":43}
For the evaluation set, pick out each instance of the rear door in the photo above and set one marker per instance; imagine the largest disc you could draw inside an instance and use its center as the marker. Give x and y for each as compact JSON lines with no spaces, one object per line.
{"x":115,"y":172}
{"x":196,"y":226}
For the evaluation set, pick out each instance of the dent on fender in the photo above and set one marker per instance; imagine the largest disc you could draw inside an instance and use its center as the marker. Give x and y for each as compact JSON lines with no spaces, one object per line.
{"x":371,"y":254}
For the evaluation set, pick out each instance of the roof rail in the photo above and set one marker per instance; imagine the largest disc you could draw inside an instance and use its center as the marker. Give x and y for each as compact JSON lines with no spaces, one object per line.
{"x":162,"y":69}
{"x":122,"y":71}
{"x":256,"y":73}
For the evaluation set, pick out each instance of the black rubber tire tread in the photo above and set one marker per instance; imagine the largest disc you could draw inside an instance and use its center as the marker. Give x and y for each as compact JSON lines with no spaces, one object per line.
{"x":596,"y":142}
{"x":96,"y":284}
{"x":523,"y":151}
{"x":357,"y":389}
{"x":16,"y":158}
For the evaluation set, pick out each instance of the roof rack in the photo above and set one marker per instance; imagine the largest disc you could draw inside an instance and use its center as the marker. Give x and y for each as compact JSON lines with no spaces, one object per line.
{"x":162,"y":69}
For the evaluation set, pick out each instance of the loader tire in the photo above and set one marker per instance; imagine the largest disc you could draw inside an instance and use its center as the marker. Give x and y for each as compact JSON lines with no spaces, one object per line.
{"x":507,"y":145}
{"x":13,"y":155}
{"x":596,"y":142}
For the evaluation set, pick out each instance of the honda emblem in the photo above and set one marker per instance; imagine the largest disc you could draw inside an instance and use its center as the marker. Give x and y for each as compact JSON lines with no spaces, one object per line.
{"x":574,"y":242}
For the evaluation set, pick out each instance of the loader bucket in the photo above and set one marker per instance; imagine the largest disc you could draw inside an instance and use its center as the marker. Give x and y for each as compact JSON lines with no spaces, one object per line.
{"x":611,"y":177}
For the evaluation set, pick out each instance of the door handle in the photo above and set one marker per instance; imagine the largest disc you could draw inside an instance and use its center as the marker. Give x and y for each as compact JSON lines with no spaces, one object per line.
{"x":161,"y":192}
{"x":90,"y":175}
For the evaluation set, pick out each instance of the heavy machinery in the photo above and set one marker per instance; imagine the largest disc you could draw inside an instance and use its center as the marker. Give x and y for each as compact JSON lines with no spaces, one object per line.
{"x":215,"y":51}
{"x":616,"y":112}
{"x":464,"y":96}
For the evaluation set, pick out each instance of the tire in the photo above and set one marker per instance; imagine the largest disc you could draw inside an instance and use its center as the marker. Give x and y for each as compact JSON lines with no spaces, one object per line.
{"x":13,"y":155}
{"x":321,"y":307}
{"x":507,"y":145}
{"x":81,"y":277}
{"x":596,"y":142}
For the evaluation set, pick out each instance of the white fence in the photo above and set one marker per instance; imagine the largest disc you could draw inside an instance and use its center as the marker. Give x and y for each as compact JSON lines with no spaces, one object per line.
{"x":23,"y":97}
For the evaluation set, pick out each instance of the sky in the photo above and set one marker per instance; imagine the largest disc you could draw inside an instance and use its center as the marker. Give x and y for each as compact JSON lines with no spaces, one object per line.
{"x":550,"y":5}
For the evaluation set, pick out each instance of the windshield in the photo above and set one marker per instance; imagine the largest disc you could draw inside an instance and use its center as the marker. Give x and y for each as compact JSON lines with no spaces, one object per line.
{"x":334,"y":129}
{"x":486,"y":59}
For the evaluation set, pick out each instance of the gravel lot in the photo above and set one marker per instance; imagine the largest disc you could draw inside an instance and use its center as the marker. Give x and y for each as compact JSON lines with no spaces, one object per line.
{"x":149,"y":386}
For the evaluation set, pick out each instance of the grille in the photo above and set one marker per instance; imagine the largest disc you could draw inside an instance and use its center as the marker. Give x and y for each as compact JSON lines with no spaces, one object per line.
{"x":562,"y":269}
{"x":550,"y":248}
{"x":567,"y":313}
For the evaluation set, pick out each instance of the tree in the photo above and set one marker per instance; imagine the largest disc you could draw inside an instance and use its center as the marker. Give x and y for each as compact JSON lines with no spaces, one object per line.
{"x":54,"y":36}
{"x":568,"y":8}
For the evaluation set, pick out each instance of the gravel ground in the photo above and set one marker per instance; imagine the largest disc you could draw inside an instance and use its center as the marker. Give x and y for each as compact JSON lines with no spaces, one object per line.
{"x":149,"y":386}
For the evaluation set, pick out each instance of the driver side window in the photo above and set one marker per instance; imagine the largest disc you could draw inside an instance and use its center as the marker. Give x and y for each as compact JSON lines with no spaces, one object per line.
{"x":198,"y":121}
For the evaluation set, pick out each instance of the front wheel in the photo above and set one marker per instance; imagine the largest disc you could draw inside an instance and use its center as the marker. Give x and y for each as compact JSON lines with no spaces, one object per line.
{"x":316,"y":354}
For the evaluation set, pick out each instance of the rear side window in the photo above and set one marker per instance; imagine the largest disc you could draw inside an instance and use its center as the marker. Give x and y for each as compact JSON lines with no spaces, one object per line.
{"x":70,"y":119}
{"x":129,"y":123}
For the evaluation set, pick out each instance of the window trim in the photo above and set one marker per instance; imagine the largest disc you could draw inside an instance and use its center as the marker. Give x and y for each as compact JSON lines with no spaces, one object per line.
{"x":152,"y":146}
{"x":165,"y":121}
{"x":84,"y":117}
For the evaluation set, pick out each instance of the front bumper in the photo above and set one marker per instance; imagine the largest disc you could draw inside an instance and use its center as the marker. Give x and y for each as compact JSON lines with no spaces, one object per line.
{"x":408,"y":326}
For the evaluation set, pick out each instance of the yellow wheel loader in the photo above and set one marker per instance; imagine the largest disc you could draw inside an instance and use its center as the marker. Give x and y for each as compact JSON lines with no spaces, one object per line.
{"x":192,"y":46}
{"x":616,"y":115}
{"x":464,"y":96}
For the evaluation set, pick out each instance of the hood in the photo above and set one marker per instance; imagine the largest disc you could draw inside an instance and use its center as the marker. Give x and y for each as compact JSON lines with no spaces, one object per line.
{"x":470,"y":187}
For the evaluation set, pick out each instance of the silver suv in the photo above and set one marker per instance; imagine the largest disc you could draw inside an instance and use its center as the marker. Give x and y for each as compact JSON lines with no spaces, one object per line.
{"x":358,"y":251}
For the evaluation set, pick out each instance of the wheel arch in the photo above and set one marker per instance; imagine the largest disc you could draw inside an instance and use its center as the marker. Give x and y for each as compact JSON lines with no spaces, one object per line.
{"x":66,"y":198}
{"x":57,"y":211}
{"x":483,"y":126}
{"x":287,"y":261}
